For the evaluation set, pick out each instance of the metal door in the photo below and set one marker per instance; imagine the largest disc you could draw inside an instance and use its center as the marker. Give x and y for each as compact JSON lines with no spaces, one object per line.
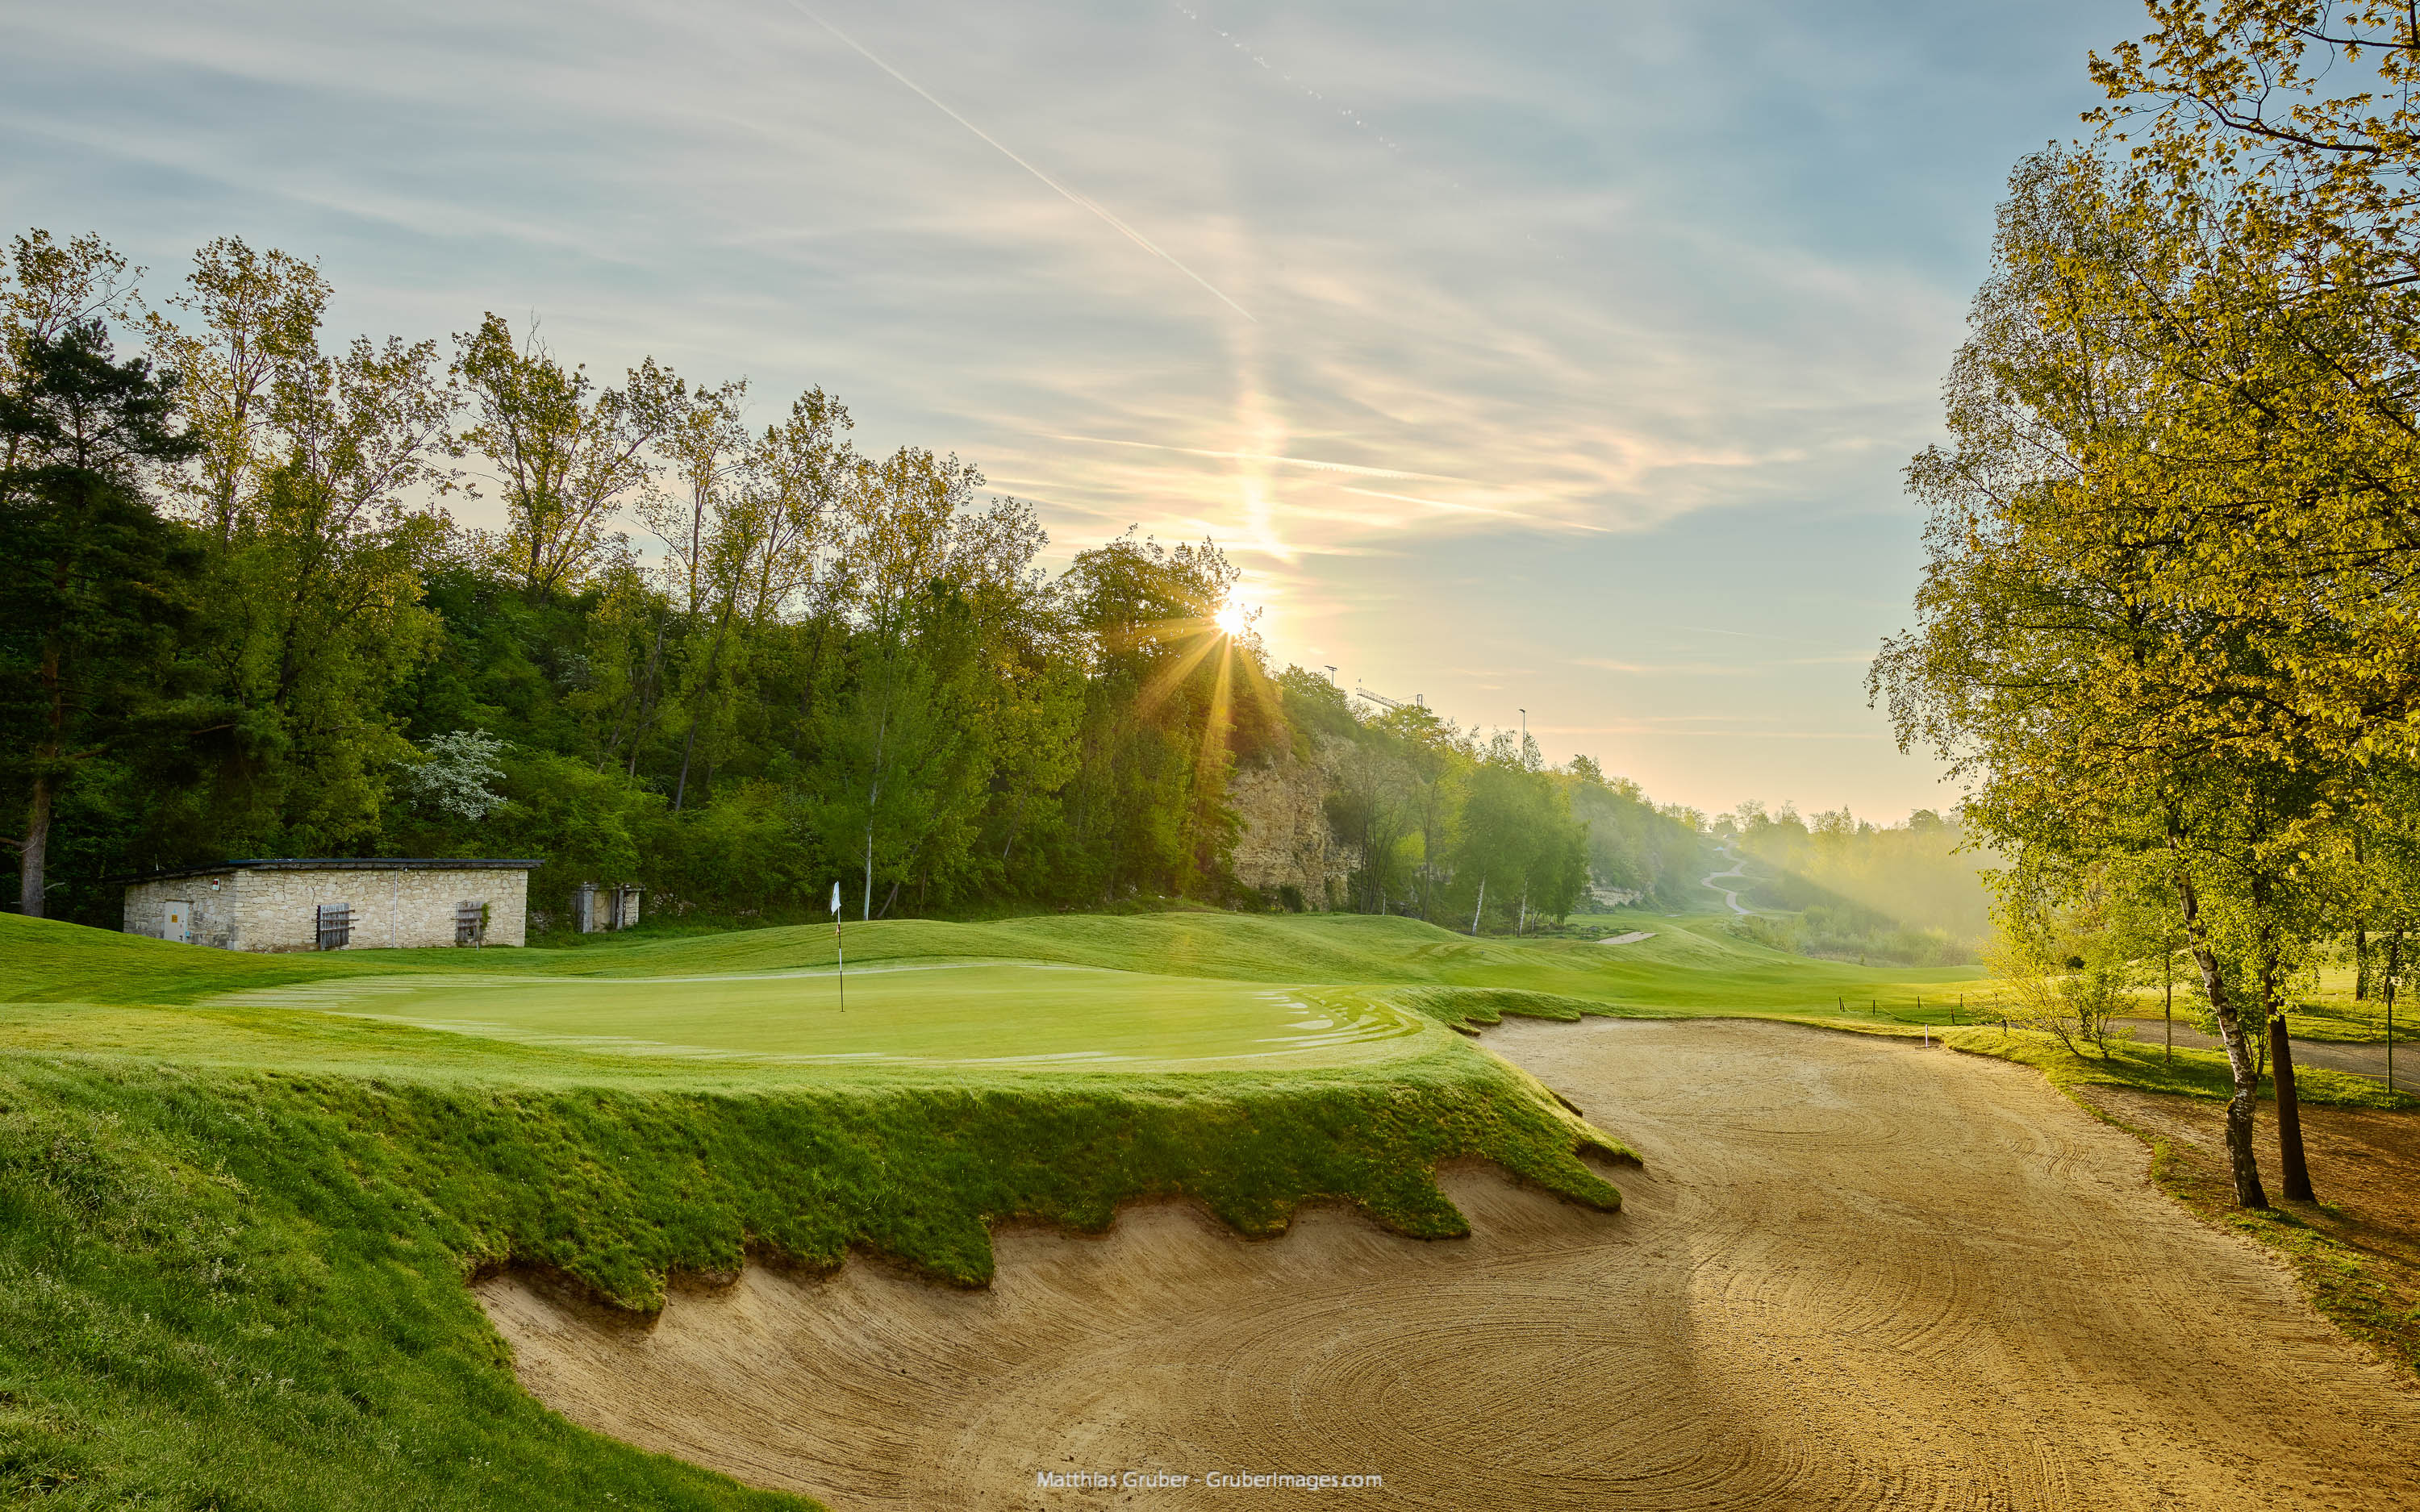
{"x":178,"y":923}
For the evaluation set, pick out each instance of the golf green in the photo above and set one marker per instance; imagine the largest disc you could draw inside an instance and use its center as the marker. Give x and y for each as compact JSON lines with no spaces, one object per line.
{"x":1002,"y":1013}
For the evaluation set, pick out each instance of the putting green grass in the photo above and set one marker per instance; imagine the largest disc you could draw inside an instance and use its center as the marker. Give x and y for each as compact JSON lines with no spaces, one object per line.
{"x":969,"y":1013}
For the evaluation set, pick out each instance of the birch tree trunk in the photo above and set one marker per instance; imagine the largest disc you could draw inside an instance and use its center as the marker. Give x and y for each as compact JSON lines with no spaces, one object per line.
{"x":2243,"y":1163}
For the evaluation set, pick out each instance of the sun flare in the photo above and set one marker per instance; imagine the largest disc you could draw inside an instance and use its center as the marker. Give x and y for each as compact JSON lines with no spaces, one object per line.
{"x":1231,"y":618}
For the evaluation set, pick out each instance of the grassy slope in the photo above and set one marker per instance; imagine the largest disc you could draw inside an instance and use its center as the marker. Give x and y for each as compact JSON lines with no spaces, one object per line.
{"x":233,"y":1239}
{"x":1693,"y":964}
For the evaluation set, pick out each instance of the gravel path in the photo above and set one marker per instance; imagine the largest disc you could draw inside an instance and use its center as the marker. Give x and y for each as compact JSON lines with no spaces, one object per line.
{"x":1854,"y":1274}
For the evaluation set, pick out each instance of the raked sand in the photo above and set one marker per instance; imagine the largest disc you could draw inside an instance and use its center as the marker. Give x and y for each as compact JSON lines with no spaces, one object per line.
{"x":1854,"y":1274}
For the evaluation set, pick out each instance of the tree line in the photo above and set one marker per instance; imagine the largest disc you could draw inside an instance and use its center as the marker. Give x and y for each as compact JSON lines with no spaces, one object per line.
{"x":1904,"y":894}
{"x":236,"y":618}
{"x":2167,"y":631}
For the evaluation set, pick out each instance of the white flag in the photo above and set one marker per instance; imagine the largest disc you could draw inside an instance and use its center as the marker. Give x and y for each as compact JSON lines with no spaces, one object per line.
{"x":836,"y":897}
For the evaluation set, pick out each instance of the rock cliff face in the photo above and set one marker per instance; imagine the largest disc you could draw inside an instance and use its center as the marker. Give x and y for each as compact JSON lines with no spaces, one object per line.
{"x":1286,"y":842}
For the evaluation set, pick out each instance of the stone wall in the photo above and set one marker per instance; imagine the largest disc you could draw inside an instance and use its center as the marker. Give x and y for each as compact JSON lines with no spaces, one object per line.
{"x":1286,"y":840}
{"x":212,"y":898}
{"x":255,"y":908}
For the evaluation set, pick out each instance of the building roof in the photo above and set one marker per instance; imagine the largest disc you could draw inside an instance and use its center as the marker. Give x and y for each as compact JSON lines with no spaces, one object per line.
{"x":336,"y":863}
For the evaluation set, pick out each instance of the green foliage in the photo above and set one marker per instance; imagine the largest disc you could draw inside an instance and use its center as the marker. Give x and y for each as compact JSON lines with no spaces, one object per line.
{"x":1446,"y":828}
{"x":838,"y":666}
{"x":93,"y":583}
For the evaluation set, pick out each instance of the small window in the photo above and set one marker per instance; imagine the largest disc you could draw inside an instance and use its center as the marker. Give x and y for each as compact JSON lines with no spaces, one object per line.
{"x":335,"y":926}
{"x":470,"y":924}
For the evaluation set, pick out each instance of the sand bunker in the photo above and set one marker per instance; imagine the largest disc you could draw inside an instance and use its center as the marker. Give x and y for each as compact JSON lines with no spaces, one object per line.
{"x":1855,"y":1273}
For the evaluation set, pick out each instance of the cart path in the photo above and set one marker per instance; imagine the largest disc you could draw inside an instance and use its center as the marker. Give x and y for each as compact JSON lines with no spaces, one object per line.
{"x":1739,"y":868}
{"x":2359,"y":1060}
{"x":1855,"y":1273}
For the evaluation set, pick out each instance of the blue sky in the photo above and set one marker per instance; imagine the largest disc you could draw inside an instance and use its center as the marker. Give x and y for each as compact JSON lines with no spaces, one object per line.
{"x":1549,"y":356}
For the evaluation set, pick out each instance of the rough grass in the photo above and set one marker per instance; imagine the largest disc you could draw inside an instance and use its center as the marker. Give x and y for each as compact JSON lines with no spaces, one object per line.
{"x":2339,"y":1018}
{"x":233,"y":1241}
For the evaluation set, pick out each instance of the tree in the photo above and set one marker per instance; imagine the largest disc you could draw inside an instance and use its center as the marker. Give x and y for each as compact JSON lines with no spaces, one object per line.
{"x":2060,"y":967}
{"x":1171,"y":701}
{"x":2070,"y":662}
{"x":458,"y":774}
{"x":707,"y":558}
{"x":2284,"y":135}
{"x":567,"y":454}
{"x":92,"y":582}
{"x":48,"y":288}
{"x":259,"y":316}
{"x":309,"y":483}
{"x":1515,"y":836}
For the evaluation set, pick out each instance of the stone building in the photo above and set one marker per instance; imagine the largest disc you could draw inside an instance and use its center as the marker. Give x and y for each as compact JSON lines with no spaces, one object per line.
{"x":343,"y":904}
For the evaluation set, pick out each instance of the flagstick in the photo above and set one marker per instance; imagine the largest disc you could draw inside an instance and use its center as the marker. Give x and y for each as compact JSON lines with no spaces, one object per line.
{"x":839,"y":954}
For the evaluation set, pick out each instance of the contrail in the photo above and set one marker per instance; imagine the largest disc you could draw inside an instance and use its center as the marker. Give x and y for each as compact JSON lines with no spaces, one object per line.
{"x":1123,"y":229}
{"x":1267,"y":456}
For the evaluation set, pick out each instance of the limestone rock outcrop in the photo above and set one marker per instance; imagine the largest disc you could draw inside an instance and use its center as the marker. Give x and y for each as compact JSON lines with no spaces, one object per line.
{"x":1286,"y":842}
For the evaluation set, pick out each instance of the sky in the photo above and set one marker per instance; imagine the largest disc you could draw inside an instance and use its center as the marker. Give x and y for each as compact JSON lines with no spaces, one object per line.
{"x":1548,"y":361}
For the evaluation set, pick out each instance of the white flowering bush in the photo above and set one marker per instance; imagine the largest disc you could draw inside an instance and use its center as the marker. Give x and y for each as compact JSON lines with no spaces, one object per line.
{"x":456,"y":775}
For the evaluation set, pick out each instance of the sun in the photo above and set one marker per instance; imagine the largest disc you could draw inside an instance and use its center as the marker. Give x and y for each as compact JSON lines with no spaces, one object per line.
{"x":1231,"y":618}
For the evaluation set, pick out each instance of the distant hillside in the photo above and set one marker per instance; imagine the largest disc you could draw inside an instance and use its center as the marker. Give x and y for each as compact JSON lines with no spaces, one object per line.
{"x":1657,"y":854}
{"x":1905,"y":893}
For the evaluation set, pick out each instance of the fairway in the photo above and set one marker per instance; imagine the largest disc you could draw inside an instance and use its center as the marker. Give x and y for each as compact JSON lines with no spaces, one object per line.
{"x":992,"y":1012}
